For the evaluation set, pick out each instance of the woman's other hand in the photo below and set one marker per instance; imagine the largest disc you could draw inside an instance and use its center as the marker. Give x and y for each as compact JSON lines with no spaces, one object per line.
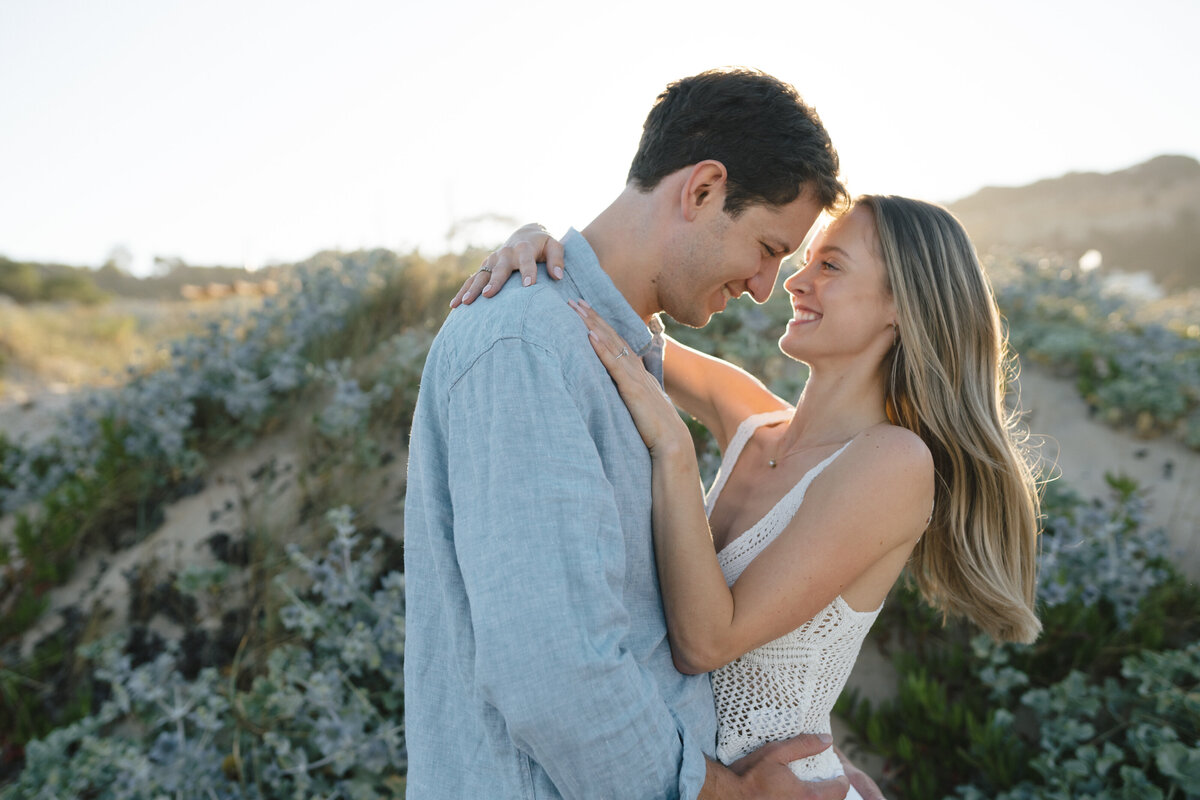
{"x":657,"y":420}
{"x":528,"y":245}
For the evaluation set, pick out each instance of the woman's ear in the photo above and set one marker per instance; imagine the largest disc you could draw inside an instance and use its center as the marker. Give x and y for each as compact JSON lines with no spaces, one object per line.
{"x":704,"y":188}
{"x":893,"y":323}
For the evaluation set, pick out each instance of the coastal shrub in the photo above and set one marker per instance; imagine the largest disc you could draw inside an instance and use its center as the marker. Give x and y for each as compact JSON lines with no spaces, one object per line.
{"x":1136,"y":735}
{"x":29,"y":283}
{"x":1084,"y":712}
{"x":1135,"y":367}
{"x":323,"y":719}
{"x":318,"y":714}
{"x":344,"y":420}
{"x":118,"y":456}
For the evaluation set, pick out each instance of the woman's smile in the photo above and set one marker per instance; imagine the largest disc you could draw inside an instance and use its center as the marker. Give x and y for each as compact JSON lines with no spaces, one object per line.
{"x":803,"y":315}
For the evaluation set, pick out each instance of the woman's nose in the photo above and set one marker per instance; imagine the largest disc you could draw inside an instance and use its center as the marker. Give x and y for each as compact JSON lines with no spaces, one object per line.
{"x":797,"y":283}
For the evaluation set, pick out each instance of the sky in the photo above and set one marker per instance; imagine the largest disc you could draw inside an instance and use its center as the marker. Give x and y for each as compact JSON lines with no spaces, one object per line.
{"x":251,"y":131}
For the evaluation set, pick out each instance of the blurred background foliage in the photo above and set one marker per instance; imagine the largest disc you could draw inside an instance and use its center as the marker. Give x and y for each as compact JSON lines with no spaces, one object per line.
{"x":278,"y":674}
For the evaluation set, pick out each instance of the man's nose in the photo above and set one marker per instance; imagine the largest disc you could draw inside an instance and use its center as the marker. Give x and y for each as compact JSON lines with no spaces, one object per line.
{"x":762,"y":283}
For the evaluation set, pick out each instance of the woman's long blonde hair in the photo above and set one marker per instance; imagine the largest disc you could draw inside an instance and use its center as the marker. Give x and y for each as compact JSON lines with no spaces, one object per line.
{"x":947,"y":370}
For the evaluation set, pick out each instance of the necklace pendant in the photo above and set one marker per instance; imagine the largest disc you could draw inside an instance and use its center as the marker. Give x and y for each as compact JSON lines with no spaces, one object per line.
{"x":771,"y":463}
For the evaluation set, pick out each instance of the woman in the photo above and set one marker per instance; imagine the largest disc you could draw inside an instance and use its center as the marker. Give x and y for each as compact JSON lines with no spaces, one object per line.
{"x":897,"y":453}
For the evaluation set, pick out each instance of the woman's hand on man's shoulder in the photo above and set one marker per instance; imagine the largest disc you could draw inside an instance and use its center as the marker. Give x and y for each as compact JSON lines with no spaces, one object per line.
{"x":528,"y":245}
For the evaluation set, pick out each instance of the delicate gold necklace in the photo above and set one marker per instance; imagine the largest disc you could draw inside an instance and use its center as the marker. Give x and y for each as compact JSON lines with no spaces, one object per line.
{"x":771,"y":462}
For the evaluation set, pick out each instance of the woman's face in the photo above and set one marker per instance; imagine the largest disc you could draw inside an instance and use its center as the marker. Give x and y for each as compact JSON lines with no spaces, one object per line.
{"x":840,"y":302}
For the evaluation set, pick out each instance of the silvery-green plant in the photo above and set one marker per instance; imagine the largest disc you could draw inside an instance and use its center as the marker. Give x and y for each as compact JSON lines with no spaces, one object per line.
{"x":1135,"y":361}
{"x":241,"y":365}
{"x":1136,"y":738}
{"x":117,"y":454}
{"x":324,"y":719}
{"x":1101,"y":551}
{"x":348,"y":411}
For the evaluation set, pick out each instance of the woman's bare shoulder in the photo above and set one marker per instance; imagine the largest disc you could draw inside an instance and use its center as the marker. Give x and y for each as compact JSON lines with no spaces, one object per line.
{"x":895,"y":465}
{"x":895,"y":445}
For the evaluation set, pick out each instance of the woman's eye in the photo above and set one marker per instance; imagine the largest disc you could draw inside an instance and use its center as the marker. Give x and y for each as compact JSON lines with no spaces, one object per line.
{"x":829,"y":265}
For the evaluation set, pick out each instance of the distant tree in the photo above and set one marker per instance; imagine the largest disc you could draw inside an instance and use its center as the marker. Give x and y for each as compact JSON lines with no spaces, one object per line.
{"x":112,"y":279}
{"x":19,"y":280}
{"x":481,"y":230}
{"x":75,"y":287}
{"x":166,"y":265}
{"x":120,"y":257}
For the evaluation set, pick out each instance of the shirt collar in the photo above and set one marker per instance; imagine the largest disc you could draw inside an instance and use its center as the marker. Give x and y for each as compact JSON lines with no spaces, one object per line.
{"x":597,"y":288}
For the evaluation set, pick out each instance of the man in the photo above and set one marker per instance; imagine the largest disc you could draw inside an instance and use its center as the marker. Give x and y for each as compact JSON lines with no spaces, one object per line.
{"x":537,"y":661}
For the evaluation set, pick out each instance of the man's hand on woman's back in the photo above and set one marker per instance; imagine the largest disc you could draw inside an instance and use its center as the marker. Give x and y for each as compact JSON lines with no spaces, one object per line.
{"x":765,"y":774}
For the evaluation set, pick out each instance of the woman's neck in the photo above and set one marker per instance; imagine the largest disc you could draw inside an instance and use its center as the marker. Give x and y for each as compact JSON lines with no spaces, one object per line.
{"x":835,"y":406}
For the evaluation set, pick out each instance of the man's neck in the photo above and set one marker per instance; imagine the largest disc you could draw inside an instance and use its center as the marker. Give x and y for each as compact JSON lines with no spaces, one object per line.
{"x":628,"y":249}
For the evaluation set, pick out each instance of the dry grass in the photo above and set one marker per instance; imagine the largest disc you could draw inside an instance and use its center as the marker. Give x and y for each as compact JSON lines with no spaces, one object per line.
{"x":68,"y":346}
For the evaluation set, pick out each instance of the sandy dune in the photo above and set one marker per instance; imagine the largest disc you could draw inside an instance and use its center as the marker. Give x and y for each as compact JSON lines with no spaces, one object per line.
{"x":1083,"y":450}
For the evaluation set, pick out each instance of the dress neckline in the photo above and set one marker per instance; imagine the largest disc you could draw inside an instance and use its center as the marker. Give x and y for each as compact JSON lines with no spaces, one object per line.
{"x":743,"y":435}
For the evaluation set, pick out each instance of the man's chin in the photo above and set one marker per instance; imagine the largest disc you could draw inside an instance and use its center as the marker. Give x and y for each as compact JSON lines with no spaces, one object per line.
{"x":696,"y":321}
{"x":691,"y":317}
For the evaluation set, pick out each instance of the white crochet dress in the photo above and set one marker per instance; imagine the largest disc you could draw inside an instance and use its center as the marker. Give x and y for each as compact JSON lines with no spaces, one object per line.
{"x":787,"y":686}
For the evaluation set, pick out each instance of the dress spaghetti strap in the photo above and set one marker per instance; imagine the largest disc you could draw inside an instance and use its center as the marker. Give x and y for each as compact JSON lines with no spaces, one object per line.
{"x":737,"y":443}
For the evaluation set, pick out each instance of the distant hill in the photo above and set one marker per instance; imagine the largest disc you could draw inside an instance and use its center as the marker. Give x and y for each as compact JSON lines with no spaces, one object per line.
{"x":1144,"y":218}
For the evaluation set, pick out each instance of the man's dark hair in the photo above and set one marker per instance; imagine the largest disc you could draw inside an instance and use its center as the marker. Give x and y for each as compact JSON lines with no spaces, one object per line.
{"x":770,"y":142}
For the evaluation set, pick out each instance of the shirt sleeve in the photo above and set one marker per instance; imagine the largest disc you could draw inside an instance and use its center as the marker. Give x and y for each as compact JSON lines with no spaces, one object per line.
{"x":539,"y":544}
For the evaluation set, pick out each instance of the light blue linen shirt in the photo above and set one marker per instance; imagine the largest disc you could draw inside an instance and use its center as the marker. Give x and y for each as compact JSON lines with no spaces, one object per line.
{"x":536,"y":658}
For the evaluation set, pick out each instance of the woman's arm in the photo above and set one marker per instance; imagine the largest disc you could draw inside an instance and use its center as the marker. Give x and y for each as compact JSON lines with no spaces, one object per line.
{"x":851,"y":537}
{"x":712,"y":390}
{"x":869,"y":510}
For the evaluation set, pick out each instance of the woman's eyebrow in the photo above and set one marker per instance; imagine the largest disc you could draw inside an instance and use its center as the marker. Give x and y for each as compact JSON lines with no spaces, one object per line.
{"x":831,"y":248}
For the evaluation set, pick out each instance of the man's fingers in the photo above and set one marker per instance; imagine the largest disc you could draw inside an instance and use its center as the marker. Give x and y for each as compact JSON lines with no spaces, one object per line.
{"x":835,"y":789}
{"x":860,"y":780}
{"x":866,"y":787}
{"x":802,"y":746}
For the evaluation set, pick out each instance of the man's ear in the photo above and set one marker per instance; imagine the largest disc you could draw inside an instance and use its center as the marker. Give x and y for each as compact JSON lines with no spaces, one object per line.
{"x":704,"y":187}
